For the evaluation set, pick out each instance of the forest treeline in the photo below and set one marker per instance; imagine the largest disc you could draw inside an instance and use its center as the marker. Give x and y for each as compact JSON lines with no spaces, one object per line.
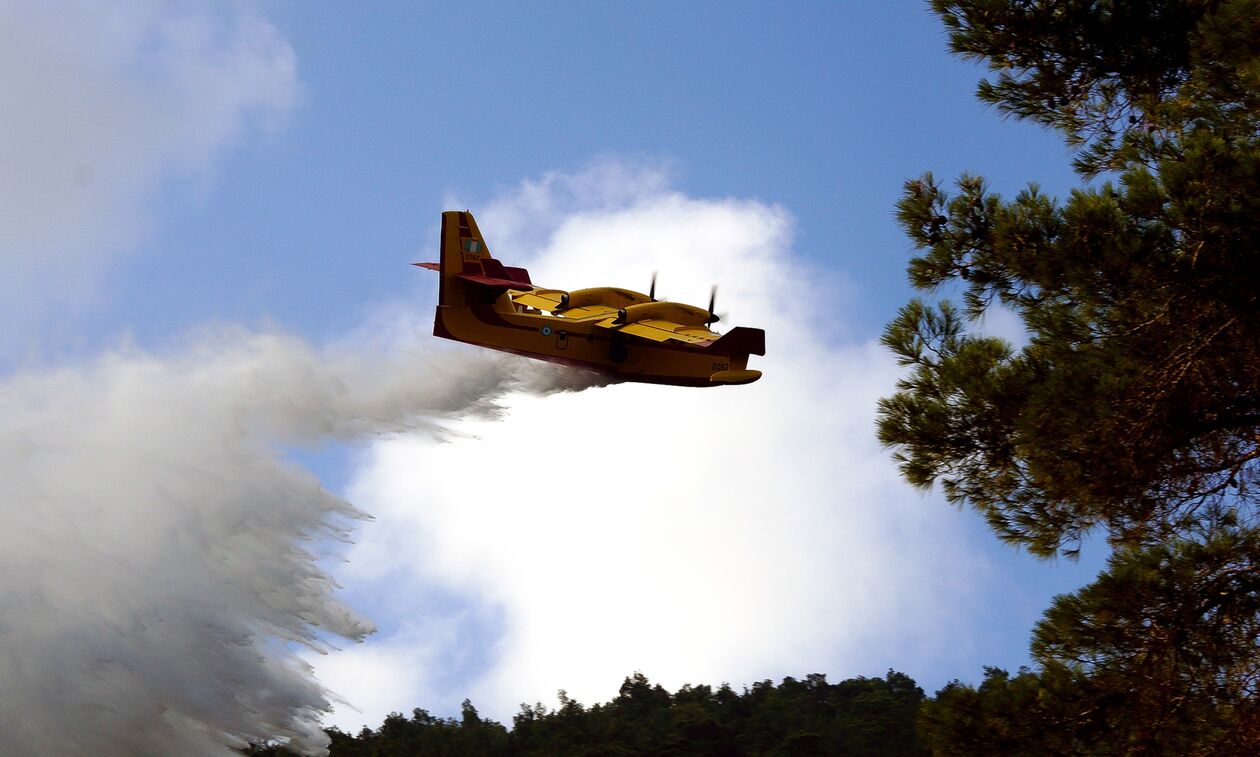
{"x":796,"y":718}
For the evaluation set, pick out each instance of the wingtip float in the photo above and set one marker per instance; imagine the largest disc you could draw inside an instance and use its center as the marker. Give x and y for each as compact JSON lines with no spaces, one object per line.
{"x":625,"y":334}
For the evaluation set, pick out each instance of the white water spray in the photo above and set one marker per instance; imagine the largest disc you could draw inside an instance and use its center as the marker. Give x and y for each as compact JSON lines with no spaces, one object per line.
{"x":156,"y":568}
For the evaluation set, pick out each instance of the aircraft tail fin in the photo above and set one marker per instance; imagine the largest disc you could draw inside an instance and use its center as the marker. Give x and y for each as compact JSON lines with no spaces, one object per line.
{"x":466,"y":260}
{"x":462,"y":242}
{"x":463,"y":250}
{"x":741,"y":340}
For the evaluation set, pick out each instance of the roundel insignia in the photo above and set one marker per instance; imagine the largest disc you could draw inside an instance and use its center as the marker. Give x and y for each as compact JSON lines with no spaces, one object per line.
{"x":546,"y":331}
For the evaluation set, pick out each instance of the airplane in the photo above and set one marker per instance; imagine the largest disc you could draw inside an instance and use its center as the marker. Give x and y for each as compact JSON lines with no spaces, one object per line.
{"x":624,"y":334}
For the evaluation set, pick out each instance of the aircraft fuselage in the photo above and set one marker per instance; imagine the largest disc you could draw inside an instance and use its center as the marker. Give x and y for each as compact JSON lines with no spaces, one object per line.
{"x":578,"y":342}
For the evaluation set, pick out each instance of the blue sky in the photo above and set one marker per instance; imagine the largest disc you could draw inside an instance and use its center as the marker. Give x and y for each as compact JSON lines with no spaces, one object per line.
{"x":274,"y":167}
{"x":824,"y":108}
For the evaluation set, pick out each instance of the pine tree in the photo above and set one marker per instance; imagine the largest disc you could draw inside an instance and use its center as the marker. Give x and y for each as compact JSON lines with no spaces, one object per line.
{"x":1134,"y":406}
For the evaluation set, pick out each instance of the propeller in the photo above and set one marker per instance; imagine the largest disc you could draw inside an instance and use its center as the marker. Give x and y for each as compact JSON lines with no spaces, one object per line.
{"x":652,"y":289}
{"x":713,"y":317}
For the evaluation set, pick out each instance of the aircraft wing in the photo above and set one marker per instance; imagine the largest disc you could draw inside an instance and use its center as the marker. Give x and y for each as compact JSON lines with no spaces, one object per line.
{"x":549,"y":299}
{"x":658,"y":330}
{"x":543,"y":299}
{"x":588,"y":312}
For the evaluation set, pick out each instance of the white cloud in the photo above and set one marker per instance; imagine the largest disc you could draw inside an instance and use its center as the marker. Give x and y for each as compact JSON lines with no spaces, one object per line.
{"x":696,"y":535}
{"x":102,"y":102}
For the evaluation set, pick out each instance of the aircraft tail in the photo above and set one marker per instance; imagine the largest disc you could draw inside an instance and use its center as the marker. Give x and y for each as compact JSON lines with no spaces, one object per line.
{"x":466,"y":260}
{"x":741,"y":340}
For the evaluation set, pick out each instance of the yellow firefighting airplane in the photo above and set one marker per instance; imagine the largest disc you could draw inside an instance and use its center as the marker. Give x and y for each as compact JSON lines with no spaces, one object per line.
{"x":628,"y":335}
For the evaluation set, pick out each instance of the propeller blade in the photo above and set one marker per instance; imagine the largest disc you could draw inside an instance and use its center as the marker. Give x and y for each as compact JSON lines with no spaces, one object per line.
{"x":713,"y":317}
{"x":652,"y":289}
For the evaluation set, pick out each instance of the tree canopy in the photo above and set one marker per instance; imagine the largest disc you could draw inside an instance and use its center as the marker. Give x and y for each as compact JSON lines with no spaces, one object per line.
{"x":1133,"y":405}
{"x":1158,"y":656}
{"x":797,"y":718}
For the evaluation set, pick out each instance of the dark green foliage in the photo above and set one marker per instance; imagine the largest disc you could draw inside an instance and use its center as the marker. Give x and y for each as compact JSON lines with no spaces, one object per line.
{"x":1168,"y":639}
{"x":860,"y":716}
{"x":1134,"y":406}
{"x":1158,"y":656}
{"x":1013,"y":716}
{"x":1126,"y":80}
{"x":470,"y":736}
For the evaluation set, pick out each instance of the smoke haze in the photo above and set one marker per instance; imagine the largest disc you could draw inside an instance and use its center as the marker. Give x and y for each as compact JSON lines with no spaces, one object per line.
{"x":158,"y":564}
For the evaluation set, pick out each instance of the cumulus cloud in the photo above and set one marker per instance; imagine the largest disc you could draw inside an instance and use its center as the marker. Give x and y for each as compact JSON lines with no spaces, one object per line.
{"x":103,"y":101}
{"x":158,"y":564}
{"x":697,"y":535}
